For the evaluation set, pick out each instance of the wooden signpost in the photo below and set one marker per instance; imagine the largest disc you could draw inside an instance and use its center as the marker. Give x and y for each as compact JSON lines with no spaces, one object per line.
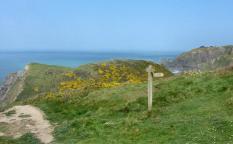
{"x":151,"y":74}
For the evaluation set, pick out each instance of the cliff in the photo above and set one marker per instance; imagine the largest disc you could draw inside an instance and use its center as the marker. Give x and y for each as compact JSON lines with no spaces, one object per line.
{"x":7,"y":84}
{"x":203,"y":59}
{"x":12,"y":87}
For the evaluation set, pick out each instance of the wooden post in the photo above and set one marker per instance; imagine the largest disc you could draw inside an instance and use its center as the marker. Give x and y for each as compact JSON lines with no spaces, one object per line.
{"x":150,"y":71}
{"x":151,"y":74}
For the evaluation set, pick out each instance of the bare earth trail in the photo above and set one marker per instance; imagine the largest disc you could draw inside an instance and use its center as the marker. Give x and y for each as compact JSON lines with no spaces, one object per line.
{"x":20,"y":120}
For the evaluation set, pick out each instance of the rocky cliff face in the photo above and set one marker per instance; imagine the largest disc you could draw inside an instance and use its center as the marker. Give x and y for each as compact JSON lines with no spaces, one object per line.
{"x":11,"y":87}
{"x":202,"y":59}
{"x":10,"y":80}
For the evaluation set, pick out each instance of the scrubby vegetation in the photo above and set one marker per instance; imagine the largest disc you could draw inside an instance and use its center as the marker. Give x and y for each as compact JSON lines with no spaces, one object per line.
{"x":190,"y":108}
{"x":41,"y":79}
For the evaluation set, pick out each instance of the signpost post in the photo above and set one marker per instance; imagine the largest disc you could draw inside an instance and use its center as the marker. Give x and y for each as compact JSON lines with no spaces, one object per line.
{"x":151,"y":74}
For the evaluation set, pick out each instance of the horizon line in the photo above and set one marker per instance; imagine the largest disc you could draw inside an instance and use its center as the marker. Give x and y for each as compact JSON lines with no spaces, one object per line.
{"x":81,"y":51}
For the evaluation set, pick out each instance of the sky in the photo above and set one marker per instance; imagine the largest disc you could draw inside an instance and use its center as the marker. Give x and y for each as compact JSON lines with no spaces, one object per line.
{"x":114,"y":25}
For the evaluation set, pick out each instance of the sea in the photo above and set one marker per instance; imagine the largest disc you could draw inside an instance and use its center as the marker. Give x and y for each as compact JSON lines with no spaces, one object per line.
{"x":11,"y":62}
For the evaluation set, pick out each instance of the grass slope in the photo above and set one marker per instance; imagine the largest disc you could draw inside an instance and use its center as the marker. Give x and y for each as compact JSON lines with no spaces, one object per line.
{"x":195,"y":108}
{"x":187,"y":109}
{"x":40,"y":78}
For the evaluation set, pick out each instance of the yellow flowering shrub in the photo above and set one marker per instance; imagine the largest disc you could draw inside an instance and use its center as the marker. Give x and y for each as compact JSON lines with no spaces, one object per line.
{"x":109,"y":75}
{"x":106,"y":75}
{"x":112,"y":74}
{"x":69,"y":85}
{"x":70,"y":74}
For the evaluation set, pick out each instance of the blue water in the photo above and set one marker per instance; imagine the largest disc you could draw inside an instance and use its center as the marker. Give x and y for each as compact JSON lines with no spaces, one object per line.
{"x":15,"y":61}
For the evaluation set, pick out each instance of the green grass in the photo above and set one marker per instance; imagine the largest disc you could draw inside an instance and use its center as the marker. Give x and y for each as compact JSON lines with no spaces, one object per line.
{"x":3,"y":127}
{"x":186,"y":109}
{"x":194,"y":109}
{"x":42,"y":78}
{"x":25,"y":139}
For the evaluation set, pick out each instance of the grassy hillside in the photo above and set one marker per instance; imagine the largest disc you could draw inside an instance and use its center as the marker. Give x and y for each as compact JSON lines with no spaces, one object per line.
{"x":41,"y":79}
{"x":192,"y":108}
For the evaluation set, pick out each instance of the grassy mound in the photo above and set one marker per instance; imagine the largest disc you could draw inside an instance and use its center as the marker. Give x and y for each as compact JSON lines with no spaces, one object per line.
{"x":41,"y":79}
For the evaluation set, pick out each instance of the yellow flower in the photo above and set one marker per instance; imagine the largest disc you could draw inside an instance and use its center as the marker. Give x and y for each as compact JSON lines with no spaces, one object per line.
{"x":70,"y":74}
{"x":100,"y":71}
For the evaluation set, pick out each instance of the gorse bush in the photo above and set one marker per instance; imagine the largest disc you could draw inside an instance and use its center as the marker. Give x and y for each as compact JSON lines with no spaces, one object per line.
{"x":41,"y":79}
{"x":108,"y":75}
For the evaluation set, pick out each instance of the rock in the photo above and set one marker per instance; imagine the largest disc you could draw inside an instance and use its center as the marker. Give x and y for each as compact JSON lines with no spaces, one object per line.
{"x":202,"y":59}
{"x":10,"y":81}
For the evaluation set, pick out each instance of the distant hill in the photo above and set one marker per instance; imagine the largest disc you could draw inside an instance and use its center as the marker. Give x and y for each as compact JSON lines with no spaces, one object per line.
{"x":203,"y":59}
{"x":40,"y":79}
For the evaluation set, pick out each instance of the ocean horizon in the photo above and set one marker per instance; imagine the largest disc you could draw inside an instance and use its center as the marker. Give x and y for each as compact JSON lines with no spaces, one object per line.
{"x":11,"y":62}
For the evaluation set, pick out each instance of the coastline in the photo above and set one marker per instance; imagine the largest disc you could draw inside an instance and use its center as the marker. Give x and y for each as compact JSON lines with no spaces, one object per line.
{"x":9,"y":82}
{"x":14,"y":61}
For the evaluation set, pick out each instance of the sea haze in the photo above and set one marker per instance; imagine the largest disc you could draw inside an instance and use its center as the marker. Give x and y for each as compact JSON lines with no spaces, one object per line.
{"x":14,"y":61}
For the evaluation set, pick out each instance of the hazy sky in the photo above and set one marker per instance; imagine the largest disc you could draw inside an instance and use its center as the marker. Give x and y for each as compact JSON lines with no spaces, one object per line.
{"x":114,"y":25}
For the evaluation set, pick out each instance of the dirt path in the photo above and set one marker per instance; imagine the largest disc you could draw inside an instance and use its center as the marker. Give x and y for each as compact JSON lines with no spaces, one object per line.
{"x":20,"y":120}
